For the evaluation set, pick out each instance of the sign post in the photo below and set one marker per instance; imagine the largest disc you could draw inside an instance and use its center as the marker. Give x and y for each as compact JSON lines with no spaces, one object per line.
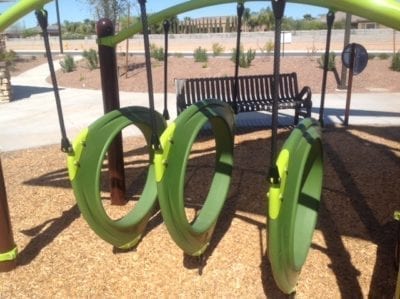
{"x":355,"y":58}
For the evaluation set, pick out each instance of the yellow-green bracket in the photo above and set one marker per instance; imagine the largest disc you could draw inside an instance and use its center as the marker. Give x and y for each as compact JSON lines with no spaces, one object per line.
{"x":9,"y":255}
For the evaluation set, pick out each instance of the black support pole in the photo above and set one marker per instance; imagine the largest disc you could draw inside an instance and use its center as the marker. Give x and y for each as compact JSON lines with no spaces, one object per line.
{"x":59,"y":28}
{"x":330,"y":18}
{"x":109,"y":85}
{"x":155,"y":141}
{"x":8,"y":250}
{"x":166,"y":26}
{"x":42,"y":18}
{"x":240,"y":11}
{"x":278,"y":7}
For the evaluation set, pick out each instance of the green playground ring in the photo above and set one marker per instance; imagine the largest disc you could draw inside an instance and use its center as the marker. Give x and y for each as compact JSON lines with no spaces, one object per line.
{"x":293,"y":203}
{"x":171,"y":162}
{"x":84,"y":167}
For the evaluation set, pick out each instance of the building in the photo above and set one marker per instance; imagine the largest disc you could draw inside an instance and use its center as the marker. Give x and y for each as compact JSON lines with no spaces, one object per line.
{"x":358,"y":22}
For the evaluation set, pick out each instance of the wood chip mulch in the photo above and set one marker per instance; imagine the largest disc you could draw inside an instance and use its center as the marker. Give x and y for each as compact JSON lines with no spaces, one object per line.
{"x":352,"y":253}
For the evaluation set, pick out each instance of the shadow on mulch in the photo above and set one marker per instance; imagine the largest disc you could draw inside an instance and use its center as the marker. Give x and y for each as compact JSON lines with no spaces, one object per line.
{"x":42,"y":237}
{"x":361,"y":176}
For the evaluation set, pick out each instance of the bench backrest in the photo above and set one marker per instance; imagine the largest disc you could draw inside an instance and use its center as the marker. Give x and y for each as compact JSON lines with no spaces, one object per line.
{"x":250,"y":89}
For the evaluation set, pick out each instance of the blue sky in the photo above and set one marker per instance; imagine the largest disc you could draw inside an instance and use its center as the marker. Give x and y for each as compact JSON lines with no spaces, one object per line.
{"x":78,"y":10}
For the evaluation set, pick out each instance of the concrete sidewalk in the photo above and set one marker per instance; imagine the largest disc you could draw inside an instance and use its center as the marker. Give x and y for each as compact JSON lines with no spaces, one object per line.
{"x":31,"y":119}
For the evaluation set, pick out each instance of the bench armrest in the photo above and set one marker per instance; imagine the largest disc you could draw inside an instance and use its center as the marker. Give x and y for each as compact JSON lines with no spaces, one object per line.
{"x":180,"y":96}
{"x":305,"y":95}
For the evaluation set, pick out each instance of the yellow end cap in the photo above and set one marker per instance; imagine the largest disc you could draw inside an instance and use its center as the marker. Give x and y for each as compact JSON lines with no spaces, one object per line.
{"x":9,"y":256}
{"x":161,"y":156}
{"x":275,"y":193}
{"x":75,"y":156}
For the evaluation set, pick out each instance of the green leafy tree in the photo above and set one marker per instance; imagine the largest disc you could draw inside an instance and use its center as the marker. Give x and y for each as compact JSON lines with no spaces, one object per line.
{"x":308,"y":17}
{"x":266,"y":18}
{"x":110,"y":9}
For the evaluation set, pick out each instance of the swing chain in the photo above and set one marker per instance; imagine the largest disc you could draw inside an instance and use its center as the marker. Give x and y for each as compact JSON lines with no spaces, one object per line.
{"x":330,"y":18}
{"x":240,"y":11}
{"x":42,"y":17}
{"x":278,"y":7}
{"x":166,"y":26}
{"x":155,"y":141}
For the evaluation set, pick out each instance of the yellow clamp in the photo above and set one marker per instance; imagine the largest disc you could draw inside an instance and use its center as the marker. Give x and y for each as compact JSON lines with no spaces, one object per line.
{"x":9,"y":256}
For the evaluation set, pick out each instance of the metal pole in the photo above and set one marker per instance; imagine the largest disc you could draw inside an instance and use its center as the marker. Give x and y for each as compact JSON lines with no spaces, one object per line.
{"x":59,"y":28}
{"x":109,"y":85}
{"x":349,"y":86}
{"x":166,"y":26}
{"x":330,"y":18}
{"x":278,"y":8}
{"x":240,"y":11}
{"x":8,"y":249}
{"x":42,"y":18}
{"x":343,"y":77}
{"x":127,"y":43}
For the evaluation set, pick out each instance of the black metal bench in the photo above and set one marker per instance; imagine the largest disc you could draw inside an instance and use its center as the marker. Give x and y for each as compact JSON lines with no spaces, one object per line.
{"x":254,"y":93}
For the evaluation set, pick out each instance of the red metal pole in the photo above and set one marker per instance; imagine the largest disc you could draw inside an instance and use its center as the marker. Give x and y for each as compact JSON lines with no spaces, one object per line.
{"x":8,"y":249}
{"x":109,"y":85}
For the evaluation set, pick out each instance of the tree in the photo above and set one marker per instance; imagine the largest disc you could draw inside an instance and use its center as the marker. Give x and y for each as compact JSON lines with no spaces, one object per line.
{"x":246,"y":16}
{"x":308,"y":17}
{"x":266,"y":18}
{"x":110,"y":9}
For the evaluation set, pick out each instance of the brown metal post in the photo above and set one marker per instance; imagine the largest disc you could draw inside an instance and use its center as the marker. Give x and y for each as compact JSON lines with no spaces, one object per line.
{"x":349,"y":87}
{"x":8,"y":250}
{"x":347,"y":33}
{"x":109,"y":85}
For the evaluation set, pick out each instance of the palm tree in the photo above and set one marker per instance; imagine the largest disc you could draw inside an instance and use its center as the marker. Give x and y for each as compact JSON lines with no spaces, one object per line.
{"x":266,"y":18}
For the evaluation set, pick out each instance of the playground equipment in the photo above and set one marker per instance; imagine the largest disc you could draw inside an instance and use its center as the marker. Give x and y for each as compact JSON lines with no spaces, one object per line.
{"x":295,"y":175}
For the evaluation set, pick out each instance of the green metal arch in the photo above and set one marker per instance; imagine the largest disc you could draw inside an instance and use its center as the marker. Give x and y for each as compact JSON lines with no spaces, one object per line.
{"x":386,"y":12}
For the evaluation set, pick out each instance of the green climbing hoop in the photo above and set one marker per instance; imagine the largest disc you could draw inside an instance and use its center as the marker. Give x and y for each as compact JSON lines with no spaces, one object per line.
{"x":171,"y":165}
{"x":293,"y":203}
{"x":84,"y":167}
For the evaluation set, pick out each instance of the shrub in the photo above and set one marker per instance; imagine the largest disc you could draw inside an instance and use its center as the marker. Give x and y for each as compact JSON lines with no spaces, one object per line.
{"x":383,"y":56}
{"x":371,"y":56}
{"x":245,"y":59}
{"x":72,"y":36}
{"x":68,"y":64}
{"x":217,"y":49}
{"x":396,"y":62}
{"x":331,"y":61}
{"x":269,"y":46}
{"x":92,"y":59}
{"x":200,"y":55}
{"x":157,"y":52}
{"x":9,"y":57}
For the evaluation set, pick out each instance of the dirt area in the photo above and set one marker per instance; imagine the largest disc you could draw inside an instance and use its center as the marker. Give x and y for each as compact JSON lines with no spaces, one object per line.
{"x":352,"y":252}
{"x":24,"y":63}
{"x":376,"y":77}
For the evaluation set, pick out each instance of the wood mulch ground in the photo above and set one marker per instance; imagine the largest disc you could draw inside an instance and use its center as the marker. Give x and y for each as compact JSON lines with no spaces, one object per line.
{"x":352,"y":253}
